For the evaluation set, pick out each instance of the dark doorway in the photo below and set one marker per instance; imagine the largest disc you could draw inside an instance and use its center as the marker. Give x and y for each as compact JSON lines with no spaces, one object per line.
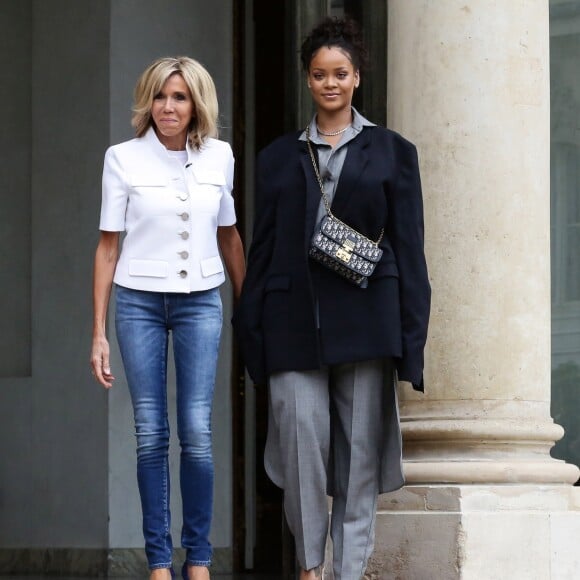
{"x":261,"y":30}
{"x":271,"y":27}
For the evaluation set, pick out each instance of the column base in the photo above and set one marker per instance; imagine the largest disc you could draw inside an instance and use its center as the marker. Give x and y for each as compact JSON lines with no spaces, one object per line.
{"x":549,"y":471}
{"x":477,"y":532}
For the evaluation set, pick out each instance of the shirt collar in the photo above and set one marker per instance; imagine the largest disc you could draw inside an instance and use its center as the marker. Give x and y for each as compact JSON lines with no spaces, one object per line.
{"x":358,"y":122}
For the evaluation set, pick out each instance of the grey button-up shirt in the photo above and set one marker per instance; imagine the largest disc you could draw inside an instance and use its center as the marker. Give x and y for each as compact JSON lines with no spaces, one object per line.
{"x":331,"y":160}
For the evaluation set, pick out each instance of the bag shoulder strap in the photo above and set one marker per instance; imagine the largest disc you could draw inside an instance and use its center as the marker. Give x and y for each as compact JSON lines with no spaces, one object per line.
{"x":319,"y":179}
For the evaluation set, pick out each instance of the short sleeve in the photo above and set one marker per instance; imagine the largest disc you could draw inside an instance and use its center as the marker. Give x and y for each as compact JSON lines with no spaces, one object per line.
{"x":115,"y":195}
{"x":227,"y":212}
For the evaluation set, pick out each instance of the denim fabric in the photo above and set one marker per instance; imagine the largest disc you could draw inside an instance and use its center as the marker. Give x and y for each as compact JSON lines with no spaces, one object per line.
{"x":143,"y":322}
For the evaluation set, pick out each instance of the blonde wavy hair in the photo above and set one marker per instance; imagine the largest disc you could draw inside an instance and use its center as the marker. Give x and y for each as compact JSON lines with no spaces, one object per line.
{"x":201,"y":87}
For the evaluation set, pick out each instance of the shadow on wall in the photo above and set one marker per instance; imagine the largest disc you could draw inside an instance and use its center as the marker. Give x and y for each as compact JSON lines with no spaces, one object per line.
{"x":566,"y":411}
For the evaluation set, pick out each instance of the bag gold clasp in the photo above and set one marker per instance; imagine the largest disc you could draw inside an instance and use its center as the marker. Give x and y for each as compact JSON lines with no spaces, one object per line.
{"x":344,"y":253}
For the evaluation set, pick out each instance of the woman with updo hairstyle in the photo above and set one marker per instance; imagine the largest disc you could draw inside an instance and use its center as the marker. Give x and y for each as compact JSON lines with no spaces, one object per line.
{"x":331,"y":349}
{"x":170,"y":191}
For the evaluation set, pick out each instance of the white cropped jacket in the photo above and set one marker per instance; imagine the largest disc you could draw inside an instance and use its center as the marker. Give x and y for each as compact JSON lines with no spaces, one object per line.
{"x":169,"y":211}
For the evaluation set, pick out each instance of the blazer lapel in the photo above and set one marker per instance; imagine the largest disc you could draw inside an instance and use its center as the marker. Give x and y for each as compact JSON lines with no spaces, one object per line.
{"x":354,"y":164}
{"x":313,"y":195}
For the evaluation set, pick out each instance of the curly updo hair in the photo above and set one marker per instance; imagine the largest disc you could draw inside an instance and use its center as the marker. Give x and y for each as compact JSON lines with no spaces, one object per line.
{"x":343,"y":33}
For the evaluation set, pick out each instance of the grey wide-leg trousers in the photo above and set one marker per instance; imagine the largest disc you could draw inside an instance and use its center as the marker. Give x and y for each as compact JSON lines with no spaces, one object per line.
{"x":326,"y":433}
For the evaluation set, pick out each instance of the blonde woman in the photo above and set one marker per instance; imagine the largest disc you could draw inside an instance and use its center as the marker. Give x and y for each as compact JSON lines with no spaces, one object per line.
{"x":170,"y":190}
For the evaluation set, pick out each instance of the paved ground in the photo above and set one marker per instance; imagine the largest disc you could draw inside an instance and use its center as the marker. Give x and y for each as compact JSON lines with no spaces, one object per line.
{"x":216,"y":576}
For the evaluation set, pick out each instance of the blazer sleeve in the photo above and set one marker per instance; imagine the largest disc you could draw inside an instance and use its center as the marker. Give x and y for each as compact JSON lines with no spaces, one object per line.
{"x":248,"y":316}
{"x":406,"y":227}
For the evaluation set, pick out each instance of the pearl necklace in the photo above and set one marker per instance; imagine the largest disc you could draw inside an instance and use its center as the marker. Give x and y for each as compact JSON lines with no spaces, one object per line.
{"x":332,"y":133}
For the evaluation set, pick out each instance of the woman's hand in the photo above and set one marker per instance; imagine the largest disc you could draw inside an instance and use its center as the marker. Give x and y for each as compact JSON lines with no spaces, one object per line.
{"x":100,"y":361}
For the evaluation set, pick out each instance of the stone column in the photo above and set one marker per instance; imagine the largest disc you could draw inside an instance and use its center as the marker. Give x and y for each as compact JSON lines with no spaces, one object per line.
{"x":469,"y":84}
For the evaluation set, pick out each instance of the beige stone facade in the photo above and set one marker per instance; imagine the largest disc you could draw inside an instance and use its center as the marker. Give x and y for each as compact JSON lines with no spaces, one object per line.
{"x":469,"y":83}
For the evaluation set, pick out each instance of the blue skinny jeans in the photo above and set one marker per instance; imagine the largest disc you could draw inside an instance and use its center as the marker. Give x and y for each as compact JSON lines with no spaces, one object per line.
{"x":143,"y":322}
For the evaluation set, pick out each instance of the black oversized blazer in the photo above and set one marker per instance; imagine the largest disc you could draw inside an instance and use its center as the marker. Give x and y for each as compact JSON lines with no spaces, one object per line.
{"x":276,"y":319}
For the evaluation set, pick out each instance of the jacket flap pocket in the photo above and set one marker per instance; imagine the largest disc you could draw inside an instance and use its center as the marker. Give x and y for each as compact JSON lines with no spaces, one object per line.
{"x":211,"y":266}
{"x":386,"y":269}
{"x":137,"y":180}
{"x":278,"y":282}
{"x":152,"y":268}
{"x":213,"y":176}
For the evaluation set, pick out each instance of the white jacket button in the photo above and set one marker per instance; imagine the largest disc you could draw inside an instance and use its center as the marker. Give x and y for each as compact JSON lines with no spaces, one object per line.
{"x":184,"y":216}
{"x":184,"y":254}
{"x":183,"y":274}
{"x":184,"y":235}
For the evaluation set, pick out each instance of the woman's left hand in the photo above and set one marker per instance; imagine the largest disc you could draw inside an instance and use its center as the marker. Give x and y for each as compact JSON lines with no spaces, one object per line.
{"x":100,"y":362}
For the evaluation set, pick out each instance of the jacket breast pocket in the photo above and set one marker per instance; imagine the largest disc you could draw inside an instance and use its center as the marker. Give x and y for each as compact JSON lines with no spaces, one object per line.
{"x":145,"y":180}
{"x":207,"y":190}
{"x":148,"y":195}
{"x":209,"y":177}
